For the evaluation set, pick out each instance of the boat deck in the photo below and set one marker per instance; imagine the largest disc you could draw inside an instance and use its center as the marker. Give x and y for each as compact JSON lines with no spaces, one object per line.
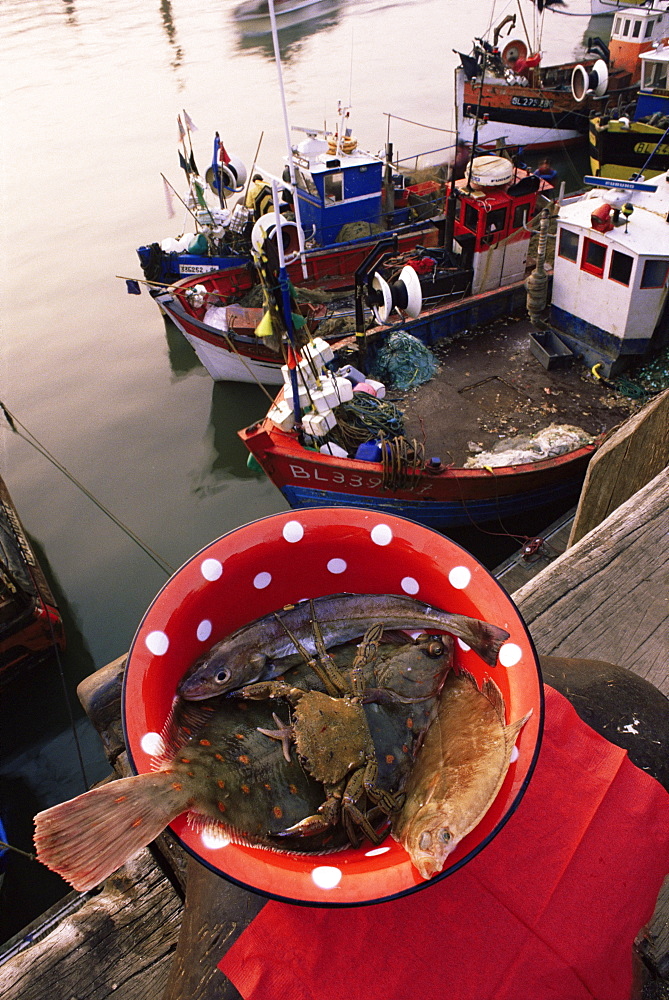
{"x":490,"y":388}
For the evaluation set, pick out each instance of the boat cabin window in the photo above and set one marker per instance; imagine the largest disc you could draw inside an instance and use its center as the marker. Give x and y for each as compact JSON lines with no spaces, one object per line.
{"x":495,"y":220}
{"x":333,"y":186}
{"x":568,"y":245}
{"x":649,"y":29}
{"x":621,"y":267}
{"x":304,"y":180}
{"x":655,"y":74}
{"x":626,"y":28}
{"x":654,"y":273}
{"x":521,"y":214}
{"x":616,"y":26}
{"x":593,"y":257}
{"x":470,"y":218}
{"x":636,"y":30}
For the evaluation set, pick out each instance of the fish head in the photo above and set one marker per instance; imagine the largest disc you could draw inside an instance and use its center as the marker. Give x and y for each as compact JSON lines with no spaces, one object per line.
{"x":418,"y":669}
{"x":221,"y":670}
{"x":429,"y":840}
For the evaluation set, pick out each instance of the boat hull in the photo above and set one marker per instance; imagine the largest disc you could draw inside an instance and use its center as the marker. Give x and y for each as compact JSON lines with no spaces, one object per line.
{"x":443,"y":499}
{"x":231,"y":356}
{"x":31,"y":628}
{"x":619,"y":152}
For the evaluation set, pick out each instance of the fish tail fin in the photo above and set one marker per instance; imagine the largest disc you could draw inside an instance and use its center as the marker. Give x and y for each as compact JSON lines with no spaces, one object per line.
{"x":511,"y":731}
{"x":87,"y":838}
{"x":487,"y":640}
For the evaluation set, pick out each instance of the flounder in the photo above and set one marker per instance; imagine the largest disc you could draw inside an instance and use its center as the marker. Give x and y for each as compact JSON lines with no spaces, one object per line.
{"x":217,"y":766}
{"x":458,"y":772}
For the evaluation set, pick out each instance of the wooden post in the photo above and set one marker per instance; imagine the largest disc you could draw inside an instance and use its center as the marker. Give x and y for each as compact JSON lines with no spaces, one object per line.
{"x":631,"y":456}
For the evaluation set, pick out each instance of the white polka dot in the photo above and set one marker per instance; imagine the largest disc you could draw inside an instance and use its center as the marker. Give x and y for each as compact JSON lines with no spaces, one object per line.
{"x":293,"y":531}
{"x":157,"y":643}
{"x":382,"y":534}
{"x":211,"y":569}
{"x":204,"y":630}
{"x":213,"y":840}
{"x":336,"y":566}
{"x":326,"y":877}
{"x":262,"y":580}
{"x":510,"y":654}
{"x":459,"y":577}
{"x":152,"y":743}
{"x":377,"y":850}
{"x":514,"y":755}
{"x":409,"y":585}
{"x":463,"y":645}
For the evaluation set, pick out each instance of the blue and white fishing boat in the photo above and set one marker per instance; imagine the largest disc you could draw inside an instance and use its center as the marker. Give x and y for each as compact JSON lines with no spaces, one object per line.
{"x":341,"y":193}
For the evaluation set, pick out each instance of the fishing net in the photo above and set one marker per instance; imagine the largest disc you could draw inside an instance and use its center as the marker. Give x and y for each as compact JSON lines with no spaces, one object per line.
{"x":366,"y":418}
{"x":403,"y":362}
{"x":647,"y":380}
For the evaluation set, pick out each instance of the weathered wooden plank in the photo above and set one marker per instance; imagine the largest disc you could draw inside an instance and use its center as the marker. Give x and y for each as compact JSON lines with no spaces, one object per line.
{"x":631,"y":456}
{"x":216,"y":913}
{"x":120,"y":943}
{"x":607,"y":597}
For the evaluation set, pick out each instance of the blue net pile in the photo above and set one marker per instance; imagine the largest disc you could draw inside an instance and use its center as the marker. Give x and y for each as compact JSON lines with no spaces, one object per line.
{"x":403,"y":362}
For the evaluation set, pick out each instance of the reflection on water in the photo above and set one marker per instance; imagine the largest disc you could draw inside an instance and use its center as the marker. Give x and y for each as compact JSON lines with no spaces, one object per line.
{"x":170,"y":31}
{"x":234,"y":405}
{"x":294,"y":27}
{"x":181,"y":355}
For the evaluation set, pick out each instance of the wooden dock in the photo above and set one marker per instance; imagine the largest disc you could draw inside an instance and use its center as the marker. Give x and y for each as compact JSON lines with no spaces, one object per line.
{"x":142,"y":935}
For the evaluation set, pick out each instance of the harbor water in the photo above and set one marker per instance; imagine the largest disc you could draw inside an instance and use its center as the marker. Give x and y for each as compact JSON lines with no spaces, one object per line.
{"x":91,"y":94}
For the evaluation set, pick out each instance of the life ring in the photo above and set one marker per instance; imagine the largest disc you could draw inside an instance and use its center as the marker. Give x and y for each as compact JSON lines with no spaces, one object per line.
{"x":348,"y":144}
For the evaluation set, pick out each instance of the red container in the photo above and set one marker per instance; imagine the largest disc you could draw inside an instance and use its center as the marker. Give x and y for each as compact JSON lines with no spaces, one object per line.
{"x":285,"y":558}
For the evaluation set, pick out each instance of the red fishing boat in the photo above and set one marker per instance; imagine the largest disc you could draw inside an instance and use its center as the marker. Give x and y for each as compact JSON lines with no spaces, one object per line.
{"x":524,"y":102}
{"x":31,"y":627}
{"x":489,"y":251}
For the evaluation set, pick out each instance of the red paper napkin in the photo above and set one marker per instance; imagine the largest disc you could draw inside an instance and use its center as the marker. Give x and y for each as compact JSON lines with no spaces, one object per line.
{"x":547,"y":911}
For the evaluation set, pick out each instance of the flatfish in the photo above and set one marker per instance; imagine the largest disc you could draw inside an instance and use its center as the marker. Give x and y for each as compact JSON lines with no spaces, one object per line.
{"x":217,"y":767}
{"x":220,"y":768}
{"x":458,"y":772}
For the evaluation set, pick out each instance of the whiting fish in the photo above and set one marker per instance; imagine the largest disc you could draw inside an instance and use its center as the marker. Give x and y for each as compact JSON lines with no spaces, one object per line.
{"x":264,"y":649}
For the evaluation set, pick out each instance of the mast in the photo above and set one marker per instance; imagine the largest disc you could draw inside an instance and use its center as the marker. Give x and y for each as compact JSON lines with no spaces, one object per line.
{"x":291,"y":165}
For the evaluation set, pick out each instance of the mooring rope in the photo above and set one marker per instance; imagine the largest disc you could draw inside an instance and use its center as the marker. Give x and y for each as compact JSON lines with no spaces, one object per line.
{"x":30,"y":438}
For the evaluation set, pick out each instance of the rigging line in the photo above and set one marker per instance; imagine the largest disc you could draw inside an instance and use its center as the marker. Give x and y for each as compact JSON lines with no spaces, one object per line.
{"x":30,"y":438}
{"x":433,"y":128}
{"x":63,"y":683}
{"x":10,"y":847}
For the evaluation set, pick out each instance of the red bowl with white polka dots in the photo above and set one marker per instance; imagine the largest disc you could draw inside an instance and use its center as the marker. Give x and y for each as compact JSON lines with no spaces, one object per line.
{"x":282,"y":559}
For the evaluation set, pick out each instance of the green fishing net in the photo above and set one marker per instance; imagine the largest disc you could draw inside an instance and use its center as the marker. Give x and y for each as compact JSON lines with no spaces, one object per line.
{"x":646,"y":380}
{"x":403,"y":362}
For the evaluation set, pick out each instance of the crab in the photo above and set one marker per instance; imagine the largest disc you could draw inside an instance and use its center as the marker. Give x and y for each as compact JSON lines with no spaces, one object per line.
{"x":331,"y":732}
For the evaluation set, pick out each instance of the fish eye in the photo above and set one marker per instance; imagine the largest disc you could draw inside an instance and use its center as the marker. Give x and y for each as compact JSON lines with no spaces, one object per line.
{"x":222,"y":676}
{"x":435,"y":648}
{"x":445,"y":836}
